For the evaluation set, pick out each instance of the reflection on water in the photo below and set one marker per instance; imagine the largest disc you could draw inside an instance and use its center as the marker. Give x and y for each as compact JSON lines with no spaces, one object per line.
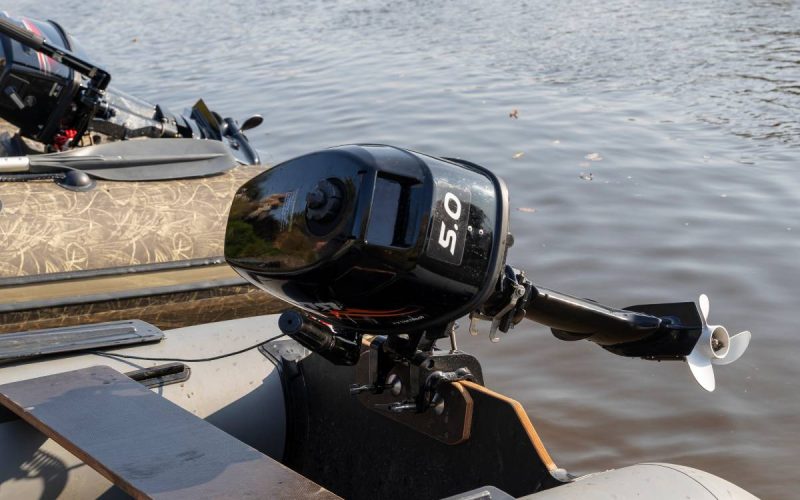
{"x":690,"y":107}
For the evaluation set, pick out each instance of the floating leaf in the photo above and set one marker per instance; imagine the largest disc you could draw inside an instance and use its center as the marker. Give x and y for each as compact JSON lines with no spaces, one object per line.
{"x":514,"y":114}
{"x":518,"y":155}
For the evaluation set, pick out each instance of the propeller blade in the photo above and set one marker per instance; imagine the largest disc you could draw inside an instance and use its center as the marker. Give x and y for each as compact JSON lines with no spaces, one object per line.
{"x":701,"y":369}
{"x":738,"y":344}
{"x":252,"y":122}
{"x":704,"y":305}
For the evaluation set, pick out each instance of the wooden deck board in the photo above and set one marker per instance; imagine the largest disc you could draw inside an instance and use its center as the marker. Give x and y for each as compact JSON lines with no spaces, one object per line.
{"x":146,"y":445}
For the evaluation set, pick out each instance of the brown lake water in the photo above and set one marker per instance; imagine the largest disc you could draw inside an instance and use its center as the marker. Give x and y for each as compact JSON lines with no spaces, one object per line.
{"x":655,"y":156}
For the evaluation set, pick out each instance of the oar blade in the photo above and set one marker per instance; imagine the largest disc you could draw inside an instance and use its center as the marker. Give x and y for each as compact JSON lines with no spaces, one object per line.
{"x":144,"y":160}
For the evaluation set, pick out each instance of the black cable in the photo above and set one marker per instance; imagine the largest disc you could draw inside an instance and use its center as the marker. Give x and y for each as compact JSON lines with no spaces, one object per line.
{"x":196,"y":360}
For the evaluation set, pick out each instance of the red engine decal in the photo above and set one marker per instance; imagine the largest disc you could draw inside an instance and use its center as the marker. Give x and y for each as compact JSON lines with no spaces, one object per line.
{"x":45,"y":63}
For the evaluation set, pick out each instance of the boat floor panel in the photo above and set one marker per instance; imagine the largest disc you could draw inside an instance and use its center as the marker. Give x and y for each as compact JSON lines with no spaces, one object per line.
{"x":146,"y":445}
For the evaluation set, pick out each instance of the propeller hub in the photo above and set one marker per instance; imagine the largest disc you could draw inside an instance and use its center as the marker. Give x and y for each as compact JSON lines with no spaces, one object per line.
{"x":720,"y":342}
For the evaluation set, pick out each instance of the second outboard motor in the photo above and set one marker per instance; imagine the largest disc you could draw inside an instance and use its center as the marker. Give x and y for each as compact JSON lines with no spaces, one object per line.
{"x":36,"y":91}
{"x":56,"y":96}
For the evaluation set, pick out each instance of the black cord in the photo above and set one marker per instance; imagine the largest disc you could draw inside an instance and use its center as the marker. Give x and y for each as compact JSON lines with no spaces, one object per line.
{"x":196,"y":360}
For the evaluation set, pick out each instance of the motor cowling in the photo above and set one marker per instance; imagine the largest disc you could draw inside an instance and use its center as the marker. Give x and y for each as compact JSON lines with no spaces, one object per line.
{"x":35,"y":90}
{"x":372,"y":237}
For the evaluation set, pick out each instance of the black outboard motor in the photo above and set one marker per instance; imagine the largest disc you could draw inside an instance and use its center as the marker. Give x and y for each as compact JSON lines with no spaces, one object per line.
{"x":378,"y":239}
{"x":55,"y":96}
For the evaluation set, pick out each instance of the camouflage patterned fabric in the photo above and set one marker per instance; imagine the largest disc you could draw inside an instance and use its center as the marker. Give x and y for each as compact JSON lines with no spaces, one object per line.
{"x":46,"y":229}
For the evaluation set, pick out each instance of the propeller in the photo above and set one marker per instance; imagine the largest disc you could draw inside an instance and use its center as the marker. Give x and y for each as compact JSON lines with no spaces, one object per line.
{"x":714,"y":347}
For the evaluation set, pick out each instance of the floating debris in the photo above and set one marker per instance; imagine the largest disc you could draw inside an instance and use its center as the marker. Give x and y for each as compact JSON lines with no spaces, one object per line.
{"x":514,"y":114}
{"x":587,"y":176}
{"x":594,"y":157}
{"x":518,"y":155}
{"x":527,"y":210}
{"x":134,"y":40}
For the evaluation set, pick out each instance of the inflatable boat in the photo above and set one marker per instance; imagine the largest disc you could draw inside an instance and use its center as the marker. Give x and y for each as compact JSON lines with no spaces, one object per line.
{"x":358,"y":391}
{"x":110,"y":206}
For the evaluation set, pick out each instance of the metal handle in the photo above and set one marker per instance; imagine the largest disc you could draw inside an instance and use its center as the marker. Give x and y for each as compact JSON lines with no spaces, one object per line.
{"x":14,"y":164}
{"x":21,"y":35}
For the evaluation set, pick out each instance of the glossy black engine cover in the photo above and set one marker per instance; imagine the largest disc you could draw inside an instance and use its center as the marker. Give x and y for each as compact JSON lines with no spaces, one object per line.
{"x":403,"y":240}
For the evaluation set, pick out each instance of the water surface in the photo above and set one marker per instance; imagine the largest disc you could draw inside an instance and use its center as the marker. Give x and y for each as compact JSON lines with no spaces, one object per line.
{"x":654,"y":157}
